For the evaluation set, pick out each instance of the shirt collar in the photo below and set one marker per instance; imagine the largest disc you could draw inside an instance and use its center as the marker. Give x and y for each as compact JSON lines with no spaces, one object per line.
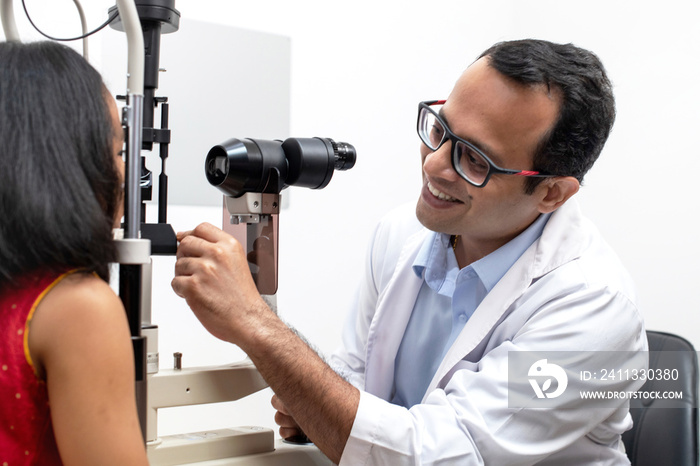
{"x":436,"y":262}
{"x":430,"y":249}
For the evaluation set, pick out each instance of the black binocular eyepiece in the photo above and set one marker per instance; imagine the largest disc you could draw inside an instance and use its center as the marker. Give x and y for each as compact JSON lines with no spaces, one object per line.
{"x":240,"y":166}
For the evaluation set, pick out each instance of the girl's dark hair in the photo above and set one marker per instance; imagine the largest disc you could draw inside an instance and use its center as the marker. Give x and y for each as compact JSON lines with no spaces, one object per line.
{"x":59,"y":184}
{"x":587,"y":110}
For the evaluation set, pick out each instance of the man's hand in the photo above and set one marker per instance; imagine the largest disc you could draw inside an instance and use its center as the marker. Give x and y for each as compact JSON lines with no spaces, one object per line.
{"x":212,"y":274}
{"x":288,"y":426}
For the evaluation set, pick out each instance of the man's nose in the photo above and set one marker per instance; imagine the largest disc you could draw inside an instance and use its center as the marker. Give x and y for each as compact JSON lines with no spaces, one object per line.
{"x":438,"y":163}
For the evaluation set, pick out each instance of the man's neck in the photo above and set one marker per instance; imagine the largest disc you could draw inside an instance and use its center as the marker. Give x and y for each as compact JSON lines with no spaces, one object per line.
{"x":468,"y":250}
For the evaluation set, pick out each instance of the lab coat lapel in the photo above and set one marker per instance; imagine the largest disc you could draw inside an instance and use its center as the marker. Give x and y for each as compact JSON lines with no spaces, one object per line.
{"x":486,"y":316}
{"x":560,"y":243}
{"x":394,"y":307}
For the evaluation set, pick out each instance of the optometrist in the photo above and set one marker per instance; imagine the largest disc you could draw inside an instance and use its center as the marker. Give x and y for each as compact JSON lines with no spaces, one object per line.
{"x":496,"y":260}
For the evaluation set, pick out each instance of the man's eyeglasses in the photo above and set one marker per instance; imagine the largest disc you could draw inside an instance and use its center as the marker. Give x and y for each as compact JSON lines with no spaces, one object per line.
{"x":467,"y":160}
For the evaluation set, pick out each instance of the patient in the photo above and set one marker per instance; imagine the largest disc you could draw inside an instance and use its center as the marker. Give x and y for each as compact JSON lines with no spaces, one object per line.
{"x":66,"y":361}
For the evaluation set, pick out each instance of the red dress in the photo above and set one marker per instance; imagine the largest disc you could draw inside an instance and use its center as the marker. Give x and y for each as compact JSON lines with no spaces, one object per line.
{"x":26,"y":433}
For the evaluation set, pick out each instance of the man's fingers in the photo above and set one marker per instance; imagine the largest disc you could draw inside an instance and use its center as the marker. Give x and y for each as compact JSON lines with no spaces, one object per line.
{"x":288,"y":426}
{"x":284,"y":420}
{"x":178,"y":285}
{"x":192,"y":246}
{"x":278,"y":405}
{"x":207,"y":240}
{"x":287,"y":433}
{"x":184,"y":267}
{"x":182,"y":234}
{"x":205,"y":230}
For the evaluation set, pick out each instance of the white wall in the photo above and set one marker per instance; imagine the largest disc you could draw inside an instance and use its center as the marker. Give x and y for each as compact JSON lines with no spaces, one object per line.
{"x":359,"y":69}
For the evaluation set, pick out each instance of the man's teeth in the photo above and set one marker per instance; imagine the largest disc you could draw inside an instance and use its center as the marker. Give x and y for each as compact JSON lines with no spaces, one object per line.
{"x":440,"y":195}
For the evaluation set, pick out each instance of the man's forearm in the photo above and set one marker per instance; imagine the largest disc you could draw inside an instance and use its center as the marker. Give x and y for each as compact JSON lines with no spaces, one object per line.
{"x":323,"y":404}
{"x":212,"y":274}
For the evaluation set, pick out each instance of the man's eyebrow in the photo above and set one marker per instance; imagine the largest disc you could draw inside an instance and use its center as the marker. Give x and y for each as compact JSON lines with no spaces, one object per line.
{"x":480,"y":145}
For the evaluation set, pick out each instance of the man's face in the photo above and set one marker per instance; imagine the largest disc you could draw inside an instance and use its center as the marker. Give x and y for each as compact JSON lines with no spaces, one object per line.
{"x":506,"y":120}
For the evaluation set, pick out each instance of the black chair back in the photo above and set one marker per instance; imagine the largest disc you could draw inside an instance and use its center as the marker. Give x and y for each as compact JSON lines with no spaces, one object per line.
{"x":665,"y":431}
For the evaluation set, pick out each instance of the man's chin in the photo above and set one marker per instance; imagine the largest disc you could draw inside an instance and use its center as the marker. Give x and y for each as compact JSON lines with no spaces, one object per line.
{"x":427,"y":220}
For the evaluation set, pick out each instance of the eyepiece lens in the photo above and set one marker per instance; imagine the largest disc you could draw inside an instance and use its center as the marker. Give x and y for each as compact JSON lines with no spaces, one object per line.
{"x":221,"y":165}
{"x":345,"y":156}
{"x":217,"y":168}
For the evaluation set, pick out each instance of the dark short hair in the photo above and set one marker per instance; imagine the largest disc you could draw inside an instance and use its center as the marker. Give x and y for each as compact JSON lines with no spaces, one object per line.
{"x":59,"y":184}
{"x":587,"y":110}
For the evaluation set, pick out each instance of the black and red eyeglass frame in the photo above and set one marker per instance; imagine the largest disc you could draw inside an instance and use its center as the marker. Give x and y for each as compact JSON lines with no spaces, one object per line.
{"x":462,"y":146}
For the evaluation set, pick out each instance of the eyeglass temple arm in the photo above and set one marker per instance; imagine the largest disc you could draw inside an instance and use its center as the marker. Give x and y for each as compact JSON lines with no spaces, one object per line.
{"x":531,"y":173}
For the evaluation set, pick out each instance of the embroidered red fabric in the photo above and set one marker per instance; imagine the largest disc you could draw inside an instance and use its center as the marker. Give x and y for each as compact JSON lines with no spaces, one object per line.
{"x":26,"y":433}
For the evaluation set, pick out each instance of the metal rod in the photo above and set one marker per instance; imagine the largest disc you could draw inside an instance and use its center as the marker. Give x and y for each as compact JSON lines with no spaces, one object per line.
{"x":163,"y":178}
{"x":132,"y":195}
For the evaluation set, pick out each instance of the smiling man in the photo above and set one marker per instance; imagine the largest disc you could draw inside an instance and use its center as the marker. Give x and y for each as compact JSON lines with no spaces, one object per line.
{"x":508,"y":121}
{"x":496,"y":260}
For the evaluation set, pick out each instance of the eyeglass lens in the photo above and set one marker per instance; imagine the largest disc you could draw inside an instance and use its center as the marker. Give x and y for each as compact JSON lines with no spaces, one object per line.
{"x":469,"y":163}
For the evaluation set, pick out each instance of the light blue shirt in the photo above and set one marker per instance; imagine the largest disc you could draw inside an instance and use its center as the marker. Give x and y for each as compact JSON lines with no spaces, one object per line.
{"x":447,"y":298}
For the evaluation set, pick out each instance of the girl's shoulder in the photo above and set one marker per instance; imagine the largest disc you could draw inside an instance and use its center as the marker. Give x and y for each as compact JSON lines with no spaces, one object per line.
{"x":79,"y":312}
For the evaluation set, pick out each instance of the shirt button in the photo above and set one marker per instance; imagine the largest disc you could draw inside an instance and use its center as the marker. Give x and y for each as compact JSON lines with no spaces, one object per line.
{"x":463,"y":317}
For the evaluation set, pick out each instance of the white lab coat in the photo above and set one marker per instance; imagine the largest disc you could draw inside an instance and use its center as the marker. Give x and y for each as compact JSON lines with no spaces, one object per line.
{"x":567,"y":292}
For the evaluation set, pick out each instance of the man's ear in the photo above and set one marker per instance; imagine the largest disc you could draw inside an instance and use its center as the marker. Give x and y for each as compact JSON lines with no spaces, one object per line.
{"x":555,"y":191}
